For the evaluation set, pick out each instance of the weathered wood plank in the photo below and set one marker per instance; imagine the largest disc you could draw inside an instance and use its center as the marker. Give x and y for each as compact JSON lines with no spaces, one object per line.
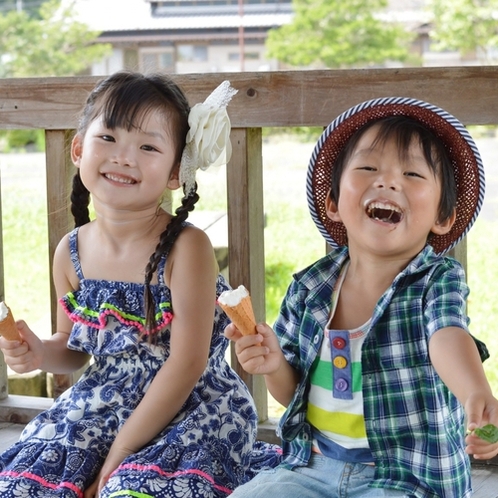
{"x":484,"y":481}
{"x":246,"y":258}
{"x":4,"y":385}
{"x":20,"y":409}
{"x":281,"y":98}
{"x":9,"y":434}
{"x":60,"y":171}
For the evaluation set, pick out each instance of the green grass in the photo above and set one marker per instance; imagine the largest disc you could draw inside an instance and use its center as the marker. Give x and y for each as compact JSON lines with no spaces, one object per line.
{"x":482,"y":276}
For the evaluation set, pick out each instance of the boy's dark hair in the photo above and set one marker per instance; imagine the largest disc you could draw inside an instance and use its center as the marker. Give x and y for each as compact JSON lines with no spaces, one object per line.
{"x":404,"y":130}
{"x":123,"y":100}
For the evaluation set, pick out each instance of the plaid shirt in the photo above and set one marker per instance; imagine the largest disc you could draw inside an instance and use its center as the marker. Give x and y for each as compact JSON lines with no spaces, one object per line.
{"x":414,"y":424}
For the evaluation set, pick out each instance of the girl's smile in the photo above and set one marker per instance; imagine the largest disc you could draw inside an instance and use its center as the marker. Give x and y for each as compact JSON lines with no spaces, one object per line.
{"x":140,"y":159}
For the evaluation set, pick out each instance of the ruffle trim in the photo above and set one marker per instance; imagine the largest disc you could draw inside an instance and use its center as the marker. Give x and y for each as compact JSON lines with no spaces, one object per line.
{"x":98,"y":319}
{"x":140,"y":469}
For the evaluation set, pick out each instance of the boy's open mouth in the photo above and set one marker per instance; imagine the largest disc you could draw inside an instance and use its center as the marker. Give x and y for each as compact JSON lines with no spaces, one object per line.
{"x":388,"y":213}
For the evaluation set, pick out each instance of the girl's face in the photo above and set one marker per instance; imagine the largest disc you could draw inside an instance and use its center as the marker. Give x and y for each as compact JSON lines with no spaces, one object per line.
{"x":127,"y":170}
{"x":388,"y":205}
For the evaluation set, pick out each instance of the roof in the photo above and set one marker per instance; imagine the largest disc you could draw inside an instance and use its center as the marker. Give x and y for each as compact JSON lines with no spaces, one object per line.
{"x":116,"y":15}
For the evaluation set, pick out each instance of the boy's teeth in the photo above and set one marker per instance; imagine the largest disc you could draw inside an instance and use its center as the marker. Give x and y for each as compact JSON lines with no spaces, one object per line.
{"x":384,"y":212}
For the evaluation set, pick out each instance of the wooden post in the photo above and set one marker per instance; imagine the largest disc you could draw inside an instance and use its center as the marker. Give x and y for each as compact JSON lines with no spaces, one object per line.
{"x":60,"y":170}
{"x":4,"y":379}
{"x":246,"y":258}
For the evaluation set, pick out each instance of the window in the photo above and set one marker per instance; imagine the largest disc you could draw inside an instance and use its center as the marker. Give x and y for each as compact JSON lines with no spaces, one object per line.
{"x":248,"y":56}
{"x":192,"y":53}
{"x":157,"y":61}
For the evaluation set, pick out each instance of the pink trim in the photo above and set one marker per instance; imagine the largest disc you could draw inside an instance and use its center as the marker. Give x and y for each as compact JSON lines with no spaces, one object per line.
{"x":167,"y":316}
{"x":157,"y":469}
{"x":43,"y":482}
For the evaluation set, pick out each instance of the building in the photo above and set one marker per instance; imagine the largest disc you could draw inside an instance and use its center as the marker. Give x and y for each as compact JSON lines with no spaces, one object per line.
{"x":185,"y":36}
{"x":198,"y":36}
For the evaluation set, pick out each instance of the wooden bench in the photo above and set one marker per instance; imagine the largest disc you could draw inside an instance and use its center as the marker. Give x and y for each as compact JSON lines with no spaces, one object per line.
{"x":264,"y":99}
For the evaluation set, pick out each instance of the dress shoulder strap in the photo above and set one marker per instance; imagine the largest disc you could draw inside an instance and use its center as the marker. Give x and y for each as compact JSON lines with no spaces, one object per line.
{"x":162,"y":263}
{"x":73,"y":251}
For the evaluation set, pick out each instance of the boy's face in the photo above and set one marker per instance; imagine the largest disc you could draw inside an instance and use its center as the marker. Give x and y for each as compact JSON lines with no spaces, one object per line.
{"x":388,"y":205}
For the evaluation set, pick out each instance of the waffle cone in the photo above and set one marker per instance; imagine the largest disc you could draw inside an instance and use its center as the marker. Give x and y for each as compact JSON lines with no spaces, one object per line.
{"x":242,"y":315}
{"x":8,"y":328}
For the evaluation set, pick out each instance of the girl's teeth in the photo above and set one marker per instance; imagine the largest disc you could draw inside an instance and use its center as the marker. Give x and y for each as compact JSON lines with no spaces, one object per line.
{"x":120,"y":179}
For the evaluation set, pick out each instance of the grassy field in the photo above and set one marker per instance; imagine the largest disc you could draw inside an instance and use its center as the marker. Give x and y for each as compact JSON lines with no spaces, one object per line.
{"x":291,"y":239}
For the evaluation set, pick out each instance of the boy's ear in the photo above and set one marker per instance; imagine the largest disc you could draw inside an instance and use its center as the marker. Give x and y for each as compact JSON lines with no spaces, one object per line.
{"x":76,"y":150}
{"x":174,"y":178}
{"x":331,"y":209}
{"x":443,"y":227}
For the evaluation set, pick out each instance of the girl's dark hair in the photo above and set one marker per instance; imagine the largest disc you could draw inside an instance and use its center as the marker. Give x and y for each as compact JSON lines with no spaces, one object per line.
{"x":404,"y":130}
{"x":123,"y":100}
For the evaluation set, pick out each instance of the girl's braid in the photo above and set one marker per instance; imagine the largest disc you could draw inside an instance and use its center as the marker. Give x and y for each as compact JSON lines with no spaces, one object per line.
{"x":166,"y":241}
{"x":80,"y":200}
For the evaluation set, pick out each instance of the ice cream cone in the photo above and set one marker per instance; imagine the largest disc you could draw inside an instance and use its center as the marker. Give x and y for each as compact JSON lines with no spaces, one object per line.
{"x":8,"y":328}
{"x":241,"y":313}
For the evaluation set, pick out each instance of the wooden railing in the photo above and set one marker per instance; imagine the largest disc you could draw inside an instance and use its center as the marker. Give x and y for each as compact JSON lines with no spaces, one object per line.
{"x":264,"y":99}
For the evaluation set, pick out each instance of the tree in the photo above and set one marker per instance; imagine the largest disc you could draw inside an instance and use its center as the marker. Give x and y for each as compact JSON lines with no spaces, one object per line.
{"x":338,"y":34}
{"x":466,"y":26}
{"x":55,"y":44}
{"x":30,"y":6}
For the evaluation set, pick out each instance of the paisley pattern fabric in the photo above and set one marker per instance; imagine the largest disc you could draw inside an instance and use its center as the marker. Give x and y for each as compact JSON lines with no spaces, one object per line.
{"x":206,"y":451}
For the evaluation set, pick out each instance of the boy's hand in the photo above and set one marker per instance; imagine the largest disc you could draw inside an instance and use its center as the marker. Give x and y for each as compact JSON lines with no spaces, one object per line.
{"x":25,"y":356}
{"x":258,"y":354}
{"x":481,"y":410}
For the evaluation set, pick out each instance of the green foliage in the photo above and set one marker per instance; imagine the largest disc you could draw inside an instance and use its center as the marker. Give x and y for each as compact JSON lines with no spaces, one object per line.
{"x":338,"y":34}
{"x":14,"y":140}
{"x":29,"y":6}
{"x":56,"y":44}
{"x":299,"y":133}
{"x":489,"y":433}
{"x":465,"y":25}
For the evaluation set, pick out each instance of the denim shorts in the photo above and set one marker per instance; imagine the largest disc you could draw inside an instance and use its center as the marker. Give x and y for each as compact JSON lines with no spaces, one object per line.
{"x":323,"y":477}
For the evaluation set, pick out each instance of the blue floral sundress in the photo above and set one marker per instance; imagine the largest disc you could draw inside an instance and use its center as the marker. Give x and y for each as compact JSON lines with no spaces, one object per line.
{"x":206,"y":451}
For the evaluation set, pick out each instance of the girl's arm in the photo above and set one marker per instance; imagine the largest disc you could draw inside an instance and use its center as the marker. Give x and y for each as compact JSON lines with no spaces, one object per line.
{"x":191,"y":275}
{"x":50,"y":355}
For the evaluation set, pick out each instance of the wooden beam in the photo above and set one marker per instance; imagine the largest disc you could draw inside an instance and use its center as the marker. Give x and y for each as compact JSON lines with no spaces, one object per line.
{"x":269,"y":99}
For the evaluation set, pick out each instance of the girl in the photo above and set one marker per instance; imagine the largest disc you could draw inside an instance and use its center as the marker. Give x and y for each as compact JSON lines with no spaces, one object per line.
{"x":158,"y":412}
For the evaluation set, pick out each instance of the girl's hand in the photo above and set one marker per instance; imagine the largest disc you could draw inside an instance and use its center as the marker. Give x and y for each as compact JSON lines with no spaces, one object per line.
{"x":259,"y":353}
{"x":481,"y":410}
{"x":25,"y":356}
{"x":112,"y":462}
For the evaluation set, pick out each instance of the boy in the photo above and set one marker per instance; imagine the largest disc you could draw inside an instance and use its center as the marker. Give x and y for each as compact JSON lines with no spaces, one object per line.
{"x":371,"y":352}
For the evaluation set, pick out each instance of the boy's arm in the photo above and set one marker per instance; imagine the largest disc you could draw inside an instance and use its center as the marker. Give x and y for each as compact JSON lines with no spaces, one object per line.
{"x":260,"y":354}
{"x":455,"y":357}
{"x":283,"y":382}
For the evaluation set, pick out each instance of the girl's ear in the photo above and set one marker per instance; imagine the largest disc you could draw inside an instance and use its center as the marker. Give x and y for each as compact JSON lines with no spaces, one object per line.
{"x":174,"y":178}
{"x":76,"y":150}
{"x":443,"y":227}
{"x":331,"y":209}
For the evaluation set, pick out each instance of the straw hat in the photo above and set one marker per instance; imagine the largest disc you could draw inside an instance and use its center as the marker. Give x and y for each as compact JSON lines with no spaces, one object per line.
{"x":466,"y":160}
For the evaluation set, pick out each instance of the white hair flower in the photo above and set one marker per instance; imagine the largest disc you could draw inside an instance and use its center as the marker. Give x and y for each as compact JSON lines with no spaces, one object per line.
{"x":208,"y":140}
